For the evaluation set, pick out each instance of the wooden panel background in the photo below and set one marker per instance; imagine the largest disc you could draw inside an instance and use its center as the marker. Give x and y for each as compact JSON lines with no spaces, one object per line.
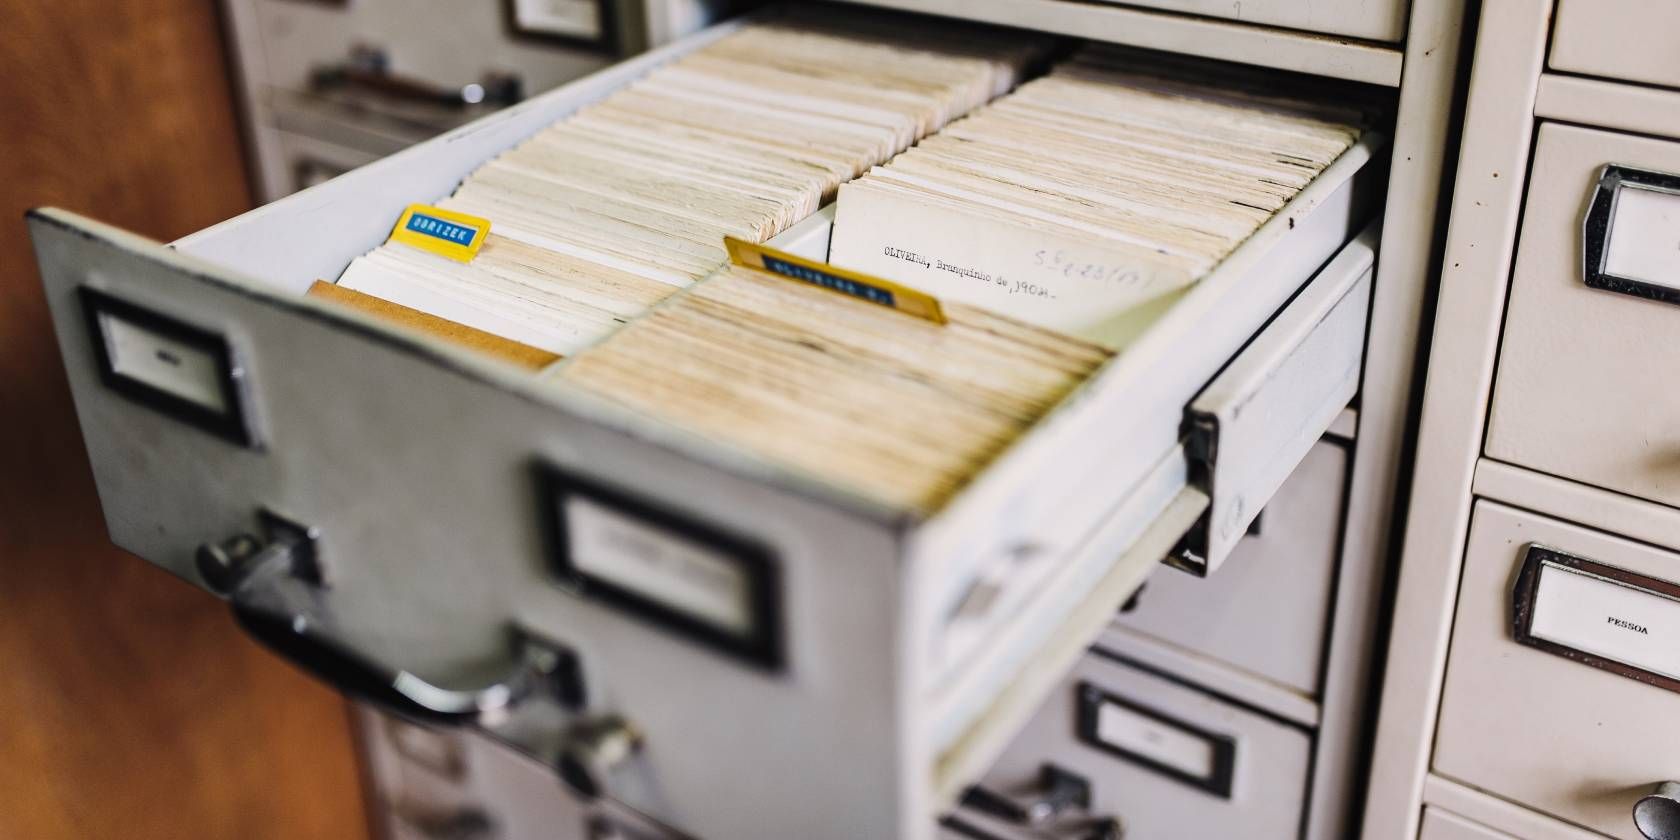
{"x":130,"y":706}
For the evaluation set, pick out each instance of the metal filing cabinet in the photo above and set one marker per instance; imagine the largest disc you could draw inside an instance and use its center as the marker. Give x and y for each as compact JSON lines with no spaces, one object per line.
{"x":1528,"y":688}
{"x":330,"y":86}
{"x":322,"y":460}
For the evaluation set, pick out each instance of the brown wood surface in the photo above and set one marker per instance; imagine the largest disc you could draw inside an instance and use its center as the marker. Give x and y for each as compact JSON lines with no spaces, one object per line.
{"x":130,"y":706}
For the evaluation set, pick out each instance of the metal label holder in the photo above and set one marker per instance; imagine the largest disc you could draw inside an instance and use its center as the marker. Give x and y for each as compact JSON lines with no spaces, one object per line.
{"x":761,"y":645}
{"x":232,"y":423}
{"x":1219,"y":780}
{"x":1597,"y":227}
{"x":1523,"y":594}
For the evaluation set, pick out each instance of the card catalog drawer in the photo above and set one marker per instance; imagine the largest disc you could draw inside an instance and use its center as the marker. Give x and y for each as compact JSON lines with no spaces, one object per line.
{"x":1162,"y":757}
{"x":1445,"y":825}
{"x":1625,"y":39}
{"x":433,"y":529}
{"x":1592,"y":336}
{"x":1267,"y":611}
{"x":1569,"y":632}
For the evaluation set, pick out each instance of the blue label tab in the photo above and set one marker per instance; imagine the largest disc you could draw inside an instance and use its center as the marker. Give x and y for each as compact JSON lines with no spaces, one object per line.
{"x":873,"y":294}
{"x":441,"y":229}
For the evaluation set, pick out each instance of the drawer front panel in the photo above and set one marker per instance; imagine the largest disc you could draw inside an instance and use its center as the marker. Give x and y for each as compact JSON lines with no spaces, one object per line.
{"x":295,"y":41}
{"x":418,"y":467}
{"x":1624,"y":39}
{"x":1267,"y":610}
{"x":1384,"y":20}
{"x":452,"y":785}
{"x":1166,"y":759}
{"x":1609,"y":738}
{"x":1585,"y":382}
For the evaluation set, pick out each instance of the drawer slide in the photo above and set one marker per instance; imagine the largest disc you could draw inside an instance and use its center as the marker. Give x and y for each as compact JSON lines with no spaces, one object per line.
{"x":1249,"y":428}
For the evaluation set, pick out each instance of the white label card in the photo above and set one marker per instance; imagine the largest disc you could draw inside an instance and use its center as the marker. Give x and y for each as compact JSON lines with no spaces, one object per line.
{"x":568,"y":18}
{"x":1071,"y":285}
{"x":1645,"y":236}
{"x":1156,"y":740}
{"x":167,"y":364}
{"x":659,"y":565}
{"x":1608,"y":619}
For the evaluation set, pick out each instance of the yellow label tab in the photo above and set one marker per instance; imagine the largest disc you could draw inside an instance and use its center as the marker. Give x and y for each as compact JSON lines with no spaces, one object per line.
{"x":853,"y":283}
{"x":446,"y":233}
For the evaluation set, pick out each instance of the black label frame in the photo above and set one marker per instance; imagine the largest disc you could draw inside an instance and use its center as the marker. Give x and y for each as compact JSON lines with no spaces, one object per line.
{"x":1218,"y":782}
{"x":1535,"y":558}
{"x":1597,"y":228}
{"x":233,"y":423}
{"x":761,"y":646}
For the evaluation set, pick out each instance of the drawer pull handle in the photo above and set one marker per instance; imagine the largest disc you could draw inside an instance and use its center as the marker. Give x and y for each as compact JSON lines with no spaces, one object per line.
{"x":368,"y":70}
{"x":1058,"y":791}
{"x":274,"y":586}
{"x":1657,"y":814}
{"x":1060,"y":794}
{"x":294,"y":635}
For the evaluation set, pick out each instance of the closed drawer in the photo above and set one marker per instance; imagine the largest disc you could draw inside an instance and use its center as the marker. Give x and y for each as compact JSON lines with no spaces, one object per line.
{"x":1267,"y":611}
{"x":1165,"y":758}
{"x":1445,"y":825}
{"x":437,"y":484}
{"x":1624,"y":39}
{"x":1585,"y":382}
{"x":1379,"y":20}
{"x":1539,"y":725}
{"x":449,"y":784}
{"x":437,"y":44}
{"x":1384,"y":20}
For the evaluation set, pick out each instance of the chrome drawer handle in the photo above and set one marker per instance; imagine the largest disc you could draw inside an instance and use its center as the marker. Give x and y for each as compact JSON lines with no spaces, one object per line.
{"x":1657,"y":814}
{"x":274,"y":586}
{"x":368,"y":70}
{"x":1060,"y":794}
{"x":294,"y":636}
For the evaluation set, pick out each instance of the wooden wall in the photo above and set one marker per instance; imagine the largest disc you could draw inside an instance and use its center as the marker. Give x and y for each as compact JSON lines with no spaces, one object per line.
{"x":130,"y":706}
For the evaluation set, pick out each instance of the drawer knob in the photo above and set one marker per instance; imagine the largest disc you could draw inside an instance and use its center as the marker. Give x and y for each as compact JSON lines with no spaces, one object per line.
{"x":1657,"y":814}
{"x":592,"y":749}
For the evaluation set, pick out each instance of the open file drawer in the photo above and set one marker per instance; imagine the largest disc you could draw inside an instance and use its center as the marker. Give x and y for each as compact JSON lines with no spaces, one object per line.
{"x":406,"y":497}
